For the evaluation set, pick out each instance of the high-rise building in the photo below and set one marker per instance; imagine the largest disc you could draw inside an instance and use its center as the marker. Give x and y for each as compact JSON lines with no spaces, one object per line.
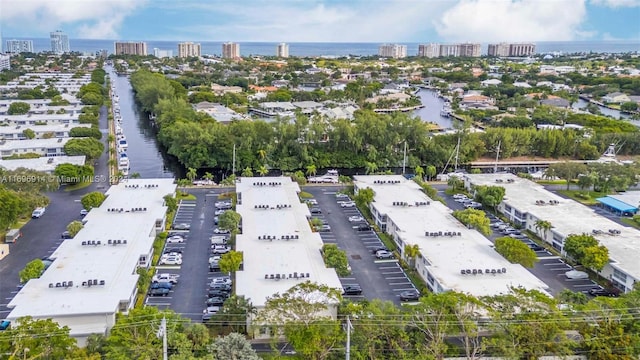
{"x":131,"y":48}
{"x":230,"y":50}
{"x":160,"y":53}
{"x":19,"y":46}
{"x":470,"y":50}
{"x":5,"y":62}
{"x":189,"y":49}
{"x":498,"y":50}
{"x":395,"y":51}
{"x":522,"y":49}
{"x":59,"y":42}
{"x":282,"y":50}
{"x":429,"y":50}
{"x":450,"y":50}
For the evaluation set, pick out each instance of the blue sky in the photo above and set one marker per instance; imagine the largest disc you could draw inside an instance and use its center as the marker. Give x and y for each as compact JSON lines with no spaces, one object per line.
{"x":325,"y":20}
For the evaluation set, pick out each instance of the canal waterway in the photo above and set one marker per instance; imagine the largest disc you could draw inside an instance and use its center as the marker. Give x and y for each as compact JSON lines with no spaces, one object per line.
{"x":433,"y":104}
{"x":144,"y":152}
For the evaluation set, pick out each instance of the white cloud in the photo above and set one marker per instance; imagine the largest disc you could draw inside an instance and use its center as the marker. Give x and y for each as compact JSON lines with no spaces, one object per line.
{"x":513,"y":20}
{"x":98,"y":18}
{"x":290,"y":20}
{"x":617,"y":3}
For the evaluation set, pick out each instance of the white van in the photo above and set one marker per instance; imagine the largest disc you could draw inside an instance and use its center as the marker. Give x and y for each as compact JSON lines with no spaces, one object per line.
{"x":37,"y":213}
{"x":218,"y":240}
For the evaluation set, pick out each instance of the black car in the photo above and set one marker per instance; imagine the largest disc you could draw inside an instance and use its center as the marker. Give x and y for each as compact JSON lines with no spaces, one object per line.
{"x":215,"y":301}
{"x":603,"y":292}
{"x":220,"y":287}
{"x":410,"y":295}
{"x":352,"y":290}
{"x":535,"y":247}
{"x":172,"y":251}
{"x":364,"y":227}
{"x":159,"y":292}
{"x":217,"y":293}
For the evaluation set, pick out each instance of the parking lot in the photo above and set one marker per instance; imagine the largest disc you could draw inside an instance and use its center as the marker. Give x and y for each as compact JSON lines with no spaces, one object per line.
{"x":550,"y":268}
{"x":379,"y":278}
{"x":188,"y":296}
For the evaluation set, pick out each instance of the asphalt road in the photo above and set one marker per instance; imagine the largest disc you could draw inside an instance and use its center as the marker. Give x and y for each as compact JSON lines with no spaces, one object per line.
{"x":379,"y":279}
{"x":550,"y":269}
{"x":40,"y":237}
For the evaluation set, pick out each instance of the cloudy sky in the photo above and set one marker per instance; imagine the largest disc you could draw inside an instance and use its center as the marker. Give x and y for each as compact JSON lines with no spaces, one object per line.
{"x":325,"y":20}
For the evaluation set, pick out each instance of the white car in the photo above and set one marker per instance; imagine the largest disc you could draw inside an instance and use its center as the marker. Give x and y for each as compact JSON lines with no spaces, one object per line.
{"x":575,"y":275}
{"x":342,"y":196}
{"x":221,"y":280}
{"x":459,"y":196}
{"x":219,"y":212}
{"x":170,"y":278}
{"x":221,"y":231}
{"x":171,"y":260}
{"x":356,"y":218}
{"x":176,"y":239}
{"x":347,"y":204}
{"x":38,"y":212}
{"x":220,"y":249}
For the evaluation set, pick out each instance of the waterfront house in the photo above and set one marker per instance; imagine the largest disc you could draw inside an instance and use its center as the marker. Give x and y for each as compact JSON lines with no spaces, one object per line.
{"x":616,"y":98}
{"x":490,"y":82}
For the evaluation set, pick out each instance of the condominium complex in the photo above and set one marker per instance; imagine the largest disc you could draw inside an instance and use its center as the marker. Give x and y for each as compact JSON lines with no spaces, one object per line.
{"x":282,"y":50}
{"x":452,"y":50}
{"x":19,"y":46}
{"x":230,"y":50}
{"x":395,"y":51}
{"x":515,"y":49}
{"x":429,"y":50}
{"x":189,"y":49}
{"x":470,"y":50}
{"x":5,"y":62}
{"x":131,"y":48}
{"x":59,"y":42}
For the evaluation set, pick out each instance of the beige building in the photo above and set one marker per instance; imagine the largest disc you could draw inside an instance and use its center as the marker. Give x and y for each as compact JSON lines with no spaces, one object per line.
{"x":131,"y":48}
{"x":450,"y":50}
{"x":470,"y":50}
{"x":498,"y":50}
{"x":511,"y":49}
{"x":282,"y":50}
{"x":429,"y":50}
{"x":230,"y":50}
{"x":189,"y":49}
{"x":395,"y":51}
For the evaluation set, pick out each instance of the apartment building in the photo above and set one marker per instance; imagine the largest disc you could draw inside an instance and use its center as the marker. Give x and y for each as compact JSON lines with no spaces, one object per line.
{"x":511,"y":49}
{"x":19,"y":46}
{"x":430,"y":50}
{"x":189,"y":49}
{"x":395,"y":51}
{"x":131,"y":48}
{"x":452,"y":50}
{"x":282,"y":50}
{"x":230,"y":50}
{"x":470,"y":50}
{"x":5,"y":62}
{"x":59,"y":42}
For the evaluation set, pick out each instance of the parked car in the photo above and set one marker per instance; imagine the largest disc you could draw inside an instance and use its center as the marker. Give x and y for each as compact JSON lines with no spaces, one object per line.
{"x":161,"y":284}
{"x":384,"y":254}
{"x":535,"y":247}
{"x":378,"y":248}
{"x":164,"y":277}
{"x":176,"y":239}
{"x":599,"y":291}
{"x":315,"y":210}
{"x":181,"y":226}
{"x":83,"y":212}
{"x":5,"y":325}
{"x":410,"y":295}
{"x":356,"y":218}
{"x":159,"y":292}
{"x":221,"y":280}
{"x":347,"y":204}
{"x":37,"y":213}
{"x":364,"y":227}
{"x":215,"y":301}
{"x":220,"y":287}
{"x":311,"y":201}
{"x":352,"y":290}
{"x":224,"y":205}
{"x":66,"y":235}
{"x":575,"y":275}
{"x":173,"y":251}
{"x":171,"y":260}
{"x":221,"y":231}
{"x":459,"y":196}
{"x":209,"y":312}
{"x":215,"y":220}
{"x":341,"y":196}
{"x":323,"y":228}
{"x":219,"y":212}
{"x":220,"y":249}
{"x":217,"y":293}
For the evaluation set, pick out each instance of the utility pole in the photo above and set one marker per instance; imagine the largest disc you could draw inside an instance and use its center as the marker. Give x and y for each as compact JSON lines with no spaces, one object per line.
{"x":163,"y":332}
{"x":234,"y":159}
{"x":404,"y":158}
{"x":348,"y":352}
{"x":495,"y":168}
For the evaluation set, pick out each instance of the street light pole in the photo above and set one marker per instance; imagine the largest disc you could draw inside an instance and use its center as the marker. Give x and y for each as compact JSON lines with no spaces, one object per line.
{"x":348,"y":351}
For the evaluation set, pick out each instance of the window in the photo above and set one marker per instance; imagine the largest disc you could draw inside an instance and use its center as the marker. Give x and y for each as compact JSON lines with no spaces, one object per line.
{"x":429,"y":278}
{"x":507,"y":208}
{"x":620,"y":275}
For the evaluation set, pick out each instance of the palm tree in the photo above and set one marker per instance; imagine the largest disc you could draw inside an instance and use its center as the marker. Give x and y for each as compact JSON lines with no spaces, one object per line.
{"x":542,"y":227}
{"x":191,"y":174}
{"x":370,"y":167}
{"x":431,"y":172}
{"x":247,"y":172}
{"x":135,"y":175}
{"x":208,"y":176}
{"x":419,"y":172}
{"x":262,"y":154}
{"x":262,"y":170}
{"x":410,"y":253}
{"x":311,"y":170}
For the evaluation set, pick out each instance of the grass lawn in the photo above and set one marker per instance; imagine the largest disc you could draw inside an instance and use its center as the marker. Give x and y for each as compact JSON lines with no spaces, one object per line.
{"x":584,"y":197}
{"x":185,"y":196}
{"x":551,"y":182}
{"x":630,"y":222}
{"x":77,"y":186}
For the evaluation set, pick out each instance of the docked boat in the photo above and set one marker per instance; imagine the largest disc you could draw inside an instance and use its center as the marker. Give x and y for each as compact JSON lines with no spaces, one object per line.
{"x":122,"y":144}
{"x":124,"y":162}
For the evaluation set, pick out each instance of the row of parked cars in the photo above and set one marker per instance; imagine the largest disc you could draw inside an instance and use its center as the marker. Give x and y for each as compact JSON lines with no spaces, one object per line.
{"x":466,"y":201}
{"x":162,"y":284}
{"x":499,"y":226}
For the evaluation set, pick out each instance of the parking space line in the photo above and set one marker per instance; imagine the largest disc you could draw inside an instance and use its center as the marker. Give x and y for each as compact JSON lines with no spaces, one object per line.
{"x":585,"y":285}
{"x":548,"y":257}
{"x":392,"y":272}
{"x":347,"y":278}
{"x":404,"y":289}
{"x":389,"y":267}
{"x":395,"y":278}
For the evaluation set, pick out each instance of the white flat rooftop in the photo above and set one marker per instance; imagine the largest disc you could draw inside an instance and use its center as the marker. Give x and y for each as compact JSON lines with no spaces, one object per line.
{"x":568,"y":217}
{"x":265,"y":257}
{"x":12,"y":129}
{"x":629,"y":197}
{"x":39,"y":117}
{"x":448,"y":255}
{"x":43,"y":163}
{"x":115,"y":264}
{"x":53,"y":143}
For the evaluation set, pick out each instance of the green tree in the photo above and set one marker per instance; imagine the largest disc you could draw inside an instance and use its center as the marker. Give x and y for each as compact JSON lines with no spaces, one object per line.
{"x":474,"y":218}
{"x":489,"y":196}
{"x":629,"y":106}
{"x":32,"y":270}
{"x":262,"y":170}
{"x":93,"y":132}
{"x":74,"y":227}
{"x":233,"y":347}
{"x":233,"y":315}
{"x":419,"y":171}
{"x":516,"y":251}
{"x":191,"y":174}
{"x":89,"y":147}
{"x":73,"y":174}
{"x":364,"y":197}
{"x":28,"y":133}
{"x":208,"y":176}
{"x":370,"y":167}
{"x":262,"y":154}
{"x":336,"y":258}
{"x":93,"y":200}
{"x":311,"y":170}
{"x":410,"y":253}
{"x":595,"y":257}
{"x":455,"y":183}
{"x":229,"y":220}
{"x":246,"y":172}
{"x":38,"y":339}
{"x":18,"y":108}
{"x":542,"y":228}
{"x":231,"y":261}
{"x":430,"y":172}
{"x":567,"y":296}
{"x":567,"y":171}
{"x":170,"y":202}
{"x":575,"y":245}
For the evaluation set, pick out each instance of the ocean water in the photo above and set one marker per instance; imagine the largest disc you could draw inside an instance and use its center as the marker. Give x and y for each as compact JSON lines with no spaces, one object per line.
{"x":333,"y":49}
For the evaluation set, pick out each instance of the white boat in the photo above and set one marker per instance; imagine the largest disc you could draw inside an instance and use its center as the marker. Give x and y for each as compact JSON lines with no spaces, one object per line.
{"x":122,"y":144}
{"x":331,"y":176}
{"x":124,"y":163}
{"x":118,"y":130}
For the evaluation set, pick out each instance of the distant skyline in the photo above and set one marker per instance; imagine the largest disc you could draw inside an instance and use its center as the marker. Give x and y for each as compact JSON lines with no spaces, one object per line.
{"x":325,"y":20}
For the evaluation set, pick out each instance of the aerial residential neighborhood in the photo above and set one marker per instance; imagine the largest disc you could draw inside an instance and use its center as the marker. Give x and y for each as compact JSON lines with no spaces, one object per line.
{"x":307,"y":200}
